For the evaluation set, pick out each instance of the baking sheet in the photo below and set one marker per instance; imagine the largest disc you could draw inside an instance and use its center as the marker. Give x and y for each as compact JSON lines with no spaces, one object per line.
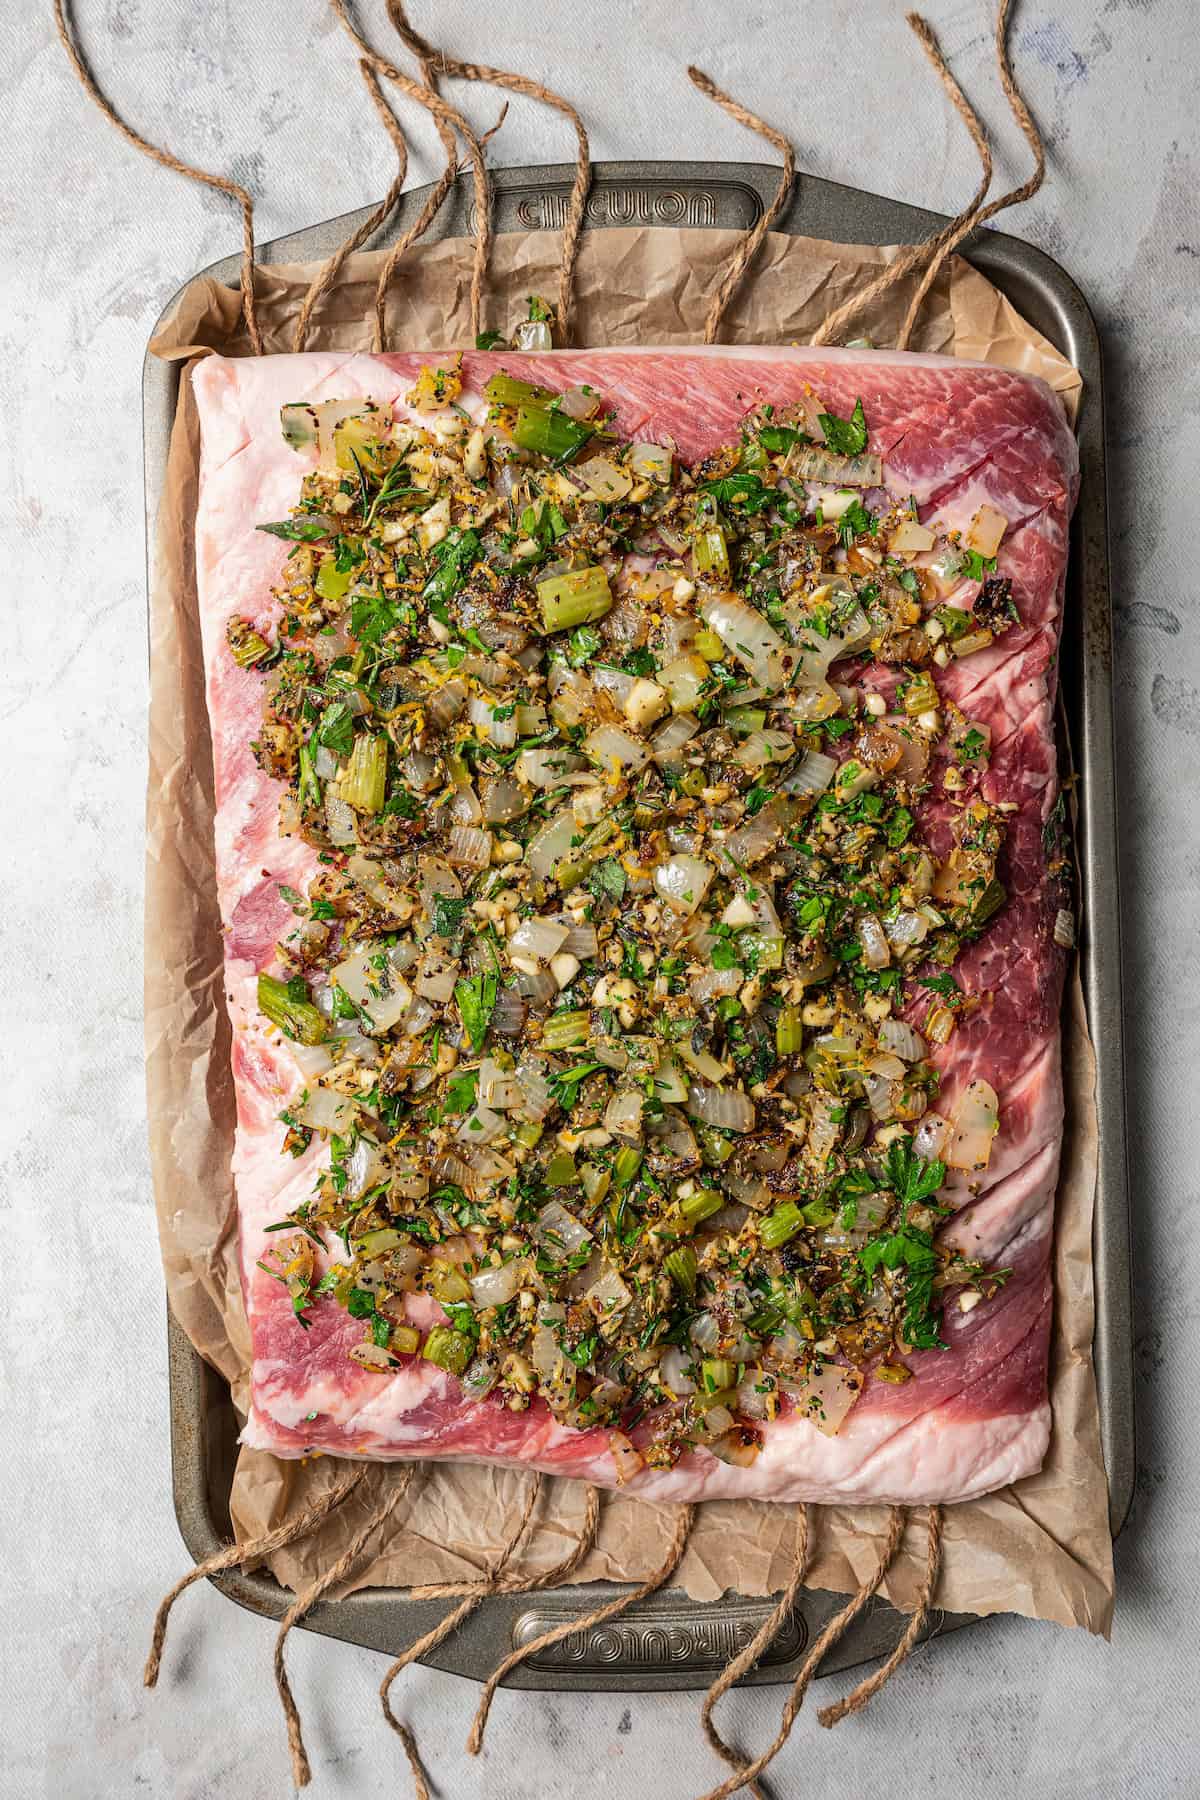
{"x":729,"y":194}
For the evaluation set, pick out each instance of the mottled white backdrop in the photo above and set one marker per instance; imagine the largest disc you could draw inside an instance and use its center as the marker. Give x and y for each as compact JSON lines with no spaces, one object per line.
{"x":96,"y":239}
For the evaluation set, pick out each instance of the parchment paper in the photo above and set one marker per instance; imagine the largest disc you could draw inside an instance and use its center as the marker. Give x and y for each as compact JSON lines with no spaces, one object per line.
{"x":1041,"y":1548}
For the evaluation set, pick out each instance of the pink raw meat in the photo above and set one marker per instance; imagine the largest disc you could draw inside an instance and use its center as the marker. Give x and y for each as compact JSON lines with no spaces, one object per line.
{"x":953,"y":434}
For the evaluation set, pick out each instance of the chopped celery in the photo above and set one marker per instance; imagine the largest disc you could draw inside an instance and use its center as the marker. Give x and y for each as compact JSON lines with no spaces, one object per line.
{"x":781,"y":1225}
{"x":377,"y":1243}
{"x":529,"y":1133}
{"x":701,"y":1205}
{"x":710,"y":547}
{"x":287,"y":1005}
{"x":762,"y":951}
{"x":565,"y":1029}
{"x":364,"y":783}
{"x":789,"y":1034}
{"x":715,"y":1148}
{"x":972,"y":641}
{"x":716,"y":1374}
{"x":553,"y":434}
{"x":920,"y":695}
{"x":626,"y":1164}
{"x":448,"y":1282}
{"x":248,"y":647}
{"x":819,"y":1214}
{"x":561,"y":1170}
{"x":449,"y":1349}
{"x":707,"y":644}
{"x":332,"y":582}
{"x":506,"y":390}
{"x":404,"y":1340}
{"x":579,"y":863}
{"x":681,"y":1267}
{"x":574,"y":599}
{"x":742,"y":720}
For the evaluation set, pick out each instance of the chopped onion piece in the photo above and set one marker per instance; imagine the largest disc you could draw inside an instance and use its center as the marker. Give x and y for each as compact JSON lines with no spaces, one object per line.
{"x":717,"y":1421}
{"x":546,"y":765}
{"x":469,"y":848}
{"x":496,"y":1287}
{"x":806,"y":462}
{"x":626,"y":1458}
{"x":725,"y":1107}
{"x":581,"y":940}
{"x":702,"y":1062}
{"x":325,"y":1110}
{"x":557,"y":1229}
{"x":480,"y":1377}
{"x":929,"y":1139}
{"x":986,"y":530}
{"x":673,"y":1369}
{"x":827,"y":1396}
{"x":684,"y":679}
{"x":901,"y":1040}
{"x":975,"y":1125}
{"x":608,"y":1295}
{"x":579,"y":403}
{"x":436,"y":877}
{"x":603,"y":478}
{"x":550,"y":843}
{"x":715,"y":984}
{"x":747,"y":635}
{"x":615,"y":750}
{"x":623,"y":1114}
{"x":436,"y":977}
{"x":503,"y":799}
{"x":652,"y":462}
{"x":812,"y":774}
{"x":670,"y":738}
{"x":873,"y":939}
{"x":339,"y":817}
{"x":534,"y":1086}
{"x":537,"y":939}
{"x":704,"y":1331}
{"x":499,"y":1088}
{"x":481,"y":1125}
{"x":910,"y":538}
{"x":645,"y":703}
{"x":761,"y":748}
{"x":683,"y":882}
{"x":906,"y":929}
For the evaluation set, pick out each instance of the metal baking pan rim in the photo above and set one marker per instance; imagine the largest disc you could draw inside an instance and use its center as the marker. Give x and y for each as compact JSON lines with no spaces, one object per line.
{"x":850,"y":215}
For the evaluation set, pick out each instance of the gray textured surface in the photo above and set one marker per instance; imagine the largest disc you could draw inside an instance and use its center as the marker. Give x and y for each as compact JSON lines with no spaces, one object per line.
{"x":96,"y":239}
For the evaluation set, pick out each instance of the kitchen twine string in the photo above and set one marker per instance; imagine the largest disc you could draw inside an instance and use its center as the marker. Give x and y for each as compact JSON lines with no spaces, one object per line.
{"x":443,"y":64}
{"x":610,"y":1610}
{"x":935,"y":250}
{"x":303,"y":1603}
{"x":748,"y":248}
{"x":220,"y":182}
{"x":750,"y":1653}
{"x":475,"y":1593}
{"x":253,"y":1550}
{"x":327,"y":275}
{"x":442,"y":1630}
{"x":832,"y":1634}
{"x":449,"y":116}
{"x":1014,"y":197}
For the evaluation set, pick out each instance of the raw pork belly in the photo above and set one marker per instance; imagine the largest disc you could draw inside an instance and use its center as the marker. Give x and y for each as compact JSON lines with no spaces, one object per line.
{"x":953,"y":435}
